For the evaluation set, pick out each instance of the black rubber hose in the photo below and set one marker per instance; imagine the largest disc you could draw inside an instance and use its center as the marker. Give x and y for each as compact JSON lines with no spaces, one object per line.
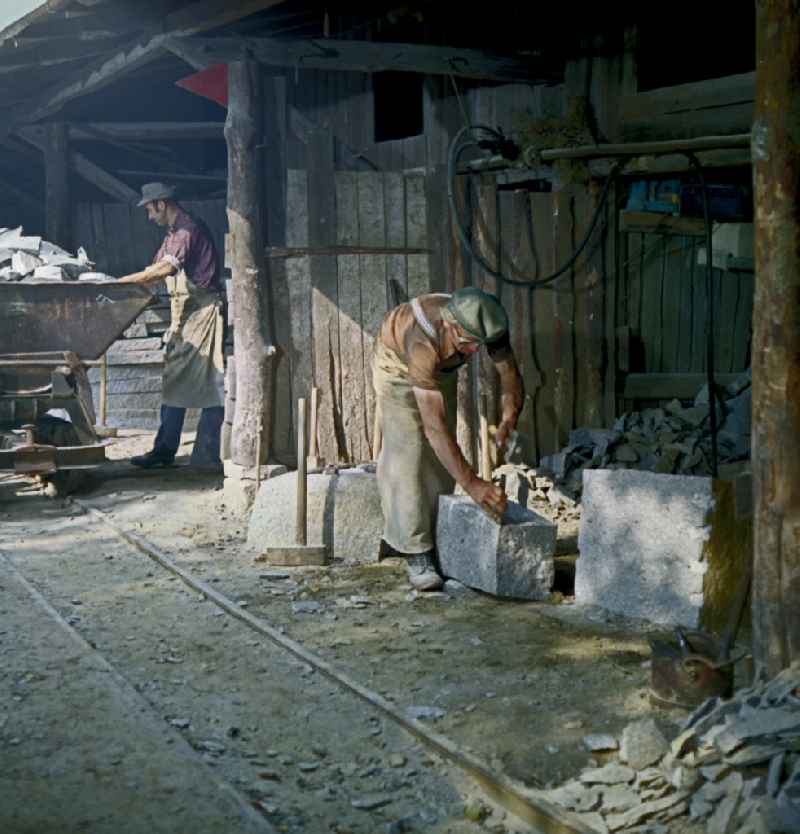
{"x":457,"y":147}
{"x":712,"y":394}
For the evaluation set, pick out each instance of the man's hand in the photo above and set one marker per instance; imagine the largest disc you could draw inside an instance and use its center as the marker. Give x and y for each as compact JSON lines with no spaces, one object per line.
{"x":503,"y":432}
{"x":487,"y":495}
{"x":128,"y":279}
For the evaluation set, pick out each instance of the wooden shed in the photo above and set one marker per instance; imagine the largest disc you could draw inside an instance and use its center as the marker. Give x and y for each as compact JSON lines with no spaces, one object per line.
{"x":323,"y":163}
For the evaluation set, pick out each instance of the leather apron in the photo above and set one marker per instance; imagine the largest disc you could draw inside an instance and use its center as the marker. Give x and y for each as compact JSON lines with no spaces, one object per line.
{"x":193,"y":356}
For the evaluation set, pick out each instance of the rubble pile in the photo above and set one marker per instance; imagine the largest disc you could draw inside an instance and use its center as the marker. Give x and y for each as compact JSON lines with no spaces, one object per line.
{"x":675,"y":439}
{"x":533,"y":487}
{"x":734,"y":769}
{"x":30,"y":258}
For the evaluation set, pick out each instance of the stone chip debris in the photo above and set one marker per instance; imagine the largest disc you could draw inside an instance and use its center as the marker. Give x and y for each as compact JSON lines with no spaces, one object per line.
{"x":675,"y":439}
{"x":29,"y":258}
{"x":733,"y":769}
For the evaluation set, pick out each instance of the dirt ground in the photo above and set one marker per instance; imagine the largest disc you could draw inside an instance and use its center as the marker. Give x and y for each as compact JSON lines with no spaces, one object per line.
{"x":517,"y":684}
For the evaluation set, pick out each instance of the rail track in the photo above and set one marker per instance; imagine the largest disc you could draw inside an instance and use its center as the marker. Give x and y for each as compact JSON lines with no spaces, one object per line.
{"x":519,"y":800}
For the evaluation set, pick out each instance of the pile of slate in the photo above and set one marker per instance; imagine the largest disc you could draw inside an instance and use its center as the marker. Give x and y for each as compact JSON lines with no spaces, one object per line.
{"x":734,"y":769}
{"x":675,"y":439}
{"x":29,"y":258}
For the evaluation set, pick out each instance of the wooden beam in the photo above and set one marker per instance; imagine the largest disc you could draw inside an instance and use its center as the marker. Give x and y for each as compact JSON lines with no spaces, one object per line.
{"x":37,"y":15}
{"x":669,"y":386}
{"x":303,"y":251}
{"x":776,"y":339}
{"x":363,"y":56}
{"x":35,"y":50}
{"x":724,"y":105}
{"x":146,"y":131}
{"x":192,"y":19}
{"x":85,"y":168}
{"x":209,"y":179}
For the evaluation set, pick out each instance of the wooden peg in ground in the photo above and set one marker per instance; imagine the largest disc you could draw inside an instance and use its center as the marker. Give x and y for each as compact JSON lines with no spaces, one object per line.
{"x":314,"y":463}
{"x":299,"y":553}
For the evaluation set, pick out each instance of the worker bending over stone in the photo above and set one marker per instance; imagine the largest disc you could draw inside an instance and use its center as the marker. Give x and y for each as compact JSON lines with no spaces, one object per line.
{"x":193,"y":357}
{"x":421,"y":346}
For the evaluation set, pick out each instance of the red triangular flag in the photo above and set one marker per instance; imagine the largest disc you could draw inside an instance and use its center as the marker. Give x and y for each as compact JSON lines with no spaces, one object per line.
{"x":210,"y":83}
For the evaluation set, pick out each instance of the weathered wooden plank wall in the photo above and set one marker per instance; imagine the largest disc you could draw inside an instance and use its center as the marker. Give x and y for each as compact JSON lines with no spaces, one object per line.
{"x":120,"y":239}
{"x":334,"y":321}
{"x":663,"y":300}
{"x":563,"y":335}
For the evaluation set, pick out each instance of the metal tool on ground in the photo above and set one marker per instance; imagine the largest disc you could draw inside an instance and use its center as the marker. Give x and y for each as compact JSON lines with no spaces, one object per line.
{"x":314,"y":463}
{"x":697,"y":665}
{"x":300,"y":553}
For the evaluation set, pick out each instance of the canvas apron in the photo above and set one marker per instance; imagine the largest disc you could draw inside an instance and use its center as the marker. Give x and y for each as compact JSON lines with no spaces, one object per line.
{"x":410,"y":476}
{"x":193,"y":355}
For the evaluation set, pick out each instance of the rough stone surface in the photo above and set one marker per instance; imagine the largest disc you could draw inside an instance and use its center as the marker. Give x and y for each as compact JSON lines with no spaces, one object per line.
{"x":641,"y":542}
{"x":642,"y":744}
{"x":344,"y":513}
{"x":512,"y":559}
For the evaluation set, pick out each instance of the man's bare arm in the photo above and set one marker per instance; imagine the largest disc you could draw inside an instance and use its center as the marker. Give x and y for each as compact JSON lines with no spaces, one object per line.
{"x":432,"y":410}
{"x":151,"y":274}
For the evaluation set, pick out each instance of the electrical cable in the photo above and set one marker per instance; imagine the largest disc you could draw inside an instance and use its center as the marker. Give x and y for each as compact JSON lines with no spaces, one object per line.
{"x":712,"y":394}
{"x":457,"y":147}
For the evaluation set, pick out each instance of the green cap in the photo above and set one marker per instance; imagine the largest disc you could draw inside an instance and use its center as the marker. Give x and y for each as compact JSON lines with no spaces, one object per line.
{"x":479,"y":313}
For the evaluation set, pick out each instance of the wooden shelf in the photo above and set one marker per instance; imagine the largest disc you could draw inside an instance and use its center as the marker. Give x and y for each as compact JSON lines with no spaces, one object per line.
{"x":651,"y":222}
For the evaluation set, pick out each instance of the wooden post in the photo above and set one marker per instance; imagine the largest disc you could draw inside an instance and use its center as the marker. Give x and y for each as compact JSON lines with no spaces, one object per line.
{"x":301,"y":535}
{"x":252,"y":349}
{"x":776,"y":337}
{"x":56,"y":163}
{"x":312,"y":422}
{"x":104,"y":389}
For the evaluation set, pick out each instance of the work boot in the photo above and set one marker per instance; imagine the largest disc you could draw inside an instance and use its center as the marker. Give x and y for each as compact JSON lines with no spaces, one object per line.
{"x":422,"y":573}
{"x":154,"y":458}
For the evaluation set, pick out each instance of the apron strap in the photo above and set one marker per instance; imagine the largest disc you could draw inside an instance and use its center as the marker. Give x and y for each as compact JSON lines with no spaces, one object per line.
{"x":422,"y":320}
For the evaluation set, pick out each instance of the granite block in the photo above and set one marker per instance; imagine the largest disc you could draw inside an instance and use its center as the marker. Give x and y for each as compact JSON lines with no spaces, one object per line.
{"x":512,"y":559}
{"x":343,"y":513}
{"x":642,"y":543}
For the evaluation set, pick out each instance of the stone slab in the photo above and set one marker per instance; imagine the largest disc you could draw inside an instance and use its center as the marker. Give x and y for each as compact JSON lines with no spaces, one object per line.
{"x":511,"y":559}
{"x":344,"y":514}
{"x":642,"y":543}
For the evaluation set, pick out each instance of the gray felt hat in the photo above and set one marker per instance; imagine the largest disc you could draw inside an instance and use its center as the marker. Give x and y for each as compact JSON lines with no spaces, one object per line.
{"x":152,"y":191}
{"x":479,"y":313}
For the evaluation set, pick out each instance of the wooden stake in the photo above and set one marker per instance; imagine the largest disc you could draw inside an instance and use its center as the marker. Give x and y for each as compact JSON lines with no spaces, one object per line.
{"x":312,"y":440}
{"x":301,"y":535}
{"x":377,"y":433}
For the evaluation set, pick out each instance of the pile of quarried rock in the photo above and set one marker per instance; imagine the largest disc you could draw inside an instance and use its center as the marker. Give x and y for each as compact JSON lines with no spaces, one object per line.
{"x":675,"y":439}
{"x":734,"y":769}
{"x":30,"y":258}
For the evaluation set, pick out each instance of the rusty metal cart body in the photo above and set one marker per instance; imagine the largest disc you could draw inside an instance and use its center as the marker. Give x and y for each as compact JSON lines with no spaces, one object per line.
{"x":49,"y":332}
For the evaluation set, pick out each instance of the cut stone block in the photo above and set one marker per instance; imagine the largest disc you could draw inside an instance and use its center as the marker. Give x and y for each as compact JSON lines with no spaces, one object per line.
{"x":512,"y":559}
{"x":343,"y":514}
{"x":664,"y":548}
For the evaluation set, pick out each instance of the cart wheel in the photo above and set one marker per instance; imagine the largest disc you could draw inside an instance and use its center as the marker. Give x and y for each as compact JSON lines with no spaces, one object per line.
{"x":64,"y":483}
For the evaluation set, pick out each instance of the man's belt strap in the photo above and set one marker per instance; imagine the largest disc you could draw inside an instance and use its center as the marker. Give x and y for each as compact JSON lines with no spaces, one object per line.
{"x":422,"y":320}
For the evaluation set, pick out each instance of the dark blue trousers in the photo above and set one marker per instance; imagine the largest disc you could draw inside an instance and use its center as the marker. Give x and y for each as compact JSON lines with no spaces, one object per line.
{"x":206,"y":444}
